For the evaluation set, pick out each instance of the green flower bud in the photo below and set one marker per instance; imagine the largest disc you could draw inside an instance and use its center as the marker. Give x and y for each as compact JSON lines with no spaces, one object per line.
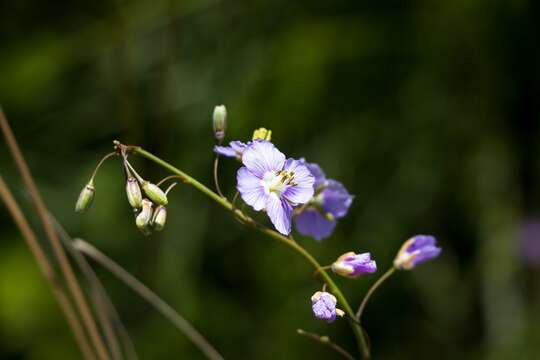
{"x":220,"y":121}
{"x":145,"y":216}
{"x":133,"y":192}
{"x":160,"y":216}
{"x":154,"y":193}
{"x":85,"y":197}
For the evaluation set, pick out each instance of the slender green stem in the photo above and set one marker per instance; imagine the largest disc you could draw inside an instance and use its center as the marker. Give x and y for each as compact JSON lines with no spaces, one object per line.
{"x":165,"y":309}
{"x":326,"y":267}
{"x":167,"y":179}
{"x":101,"y":163}
{"x":334,"y":289}
{"x":216,"y":177}
{"x":98,"y":296}
{"x":325,"y":340}
{"x":372,"y":289}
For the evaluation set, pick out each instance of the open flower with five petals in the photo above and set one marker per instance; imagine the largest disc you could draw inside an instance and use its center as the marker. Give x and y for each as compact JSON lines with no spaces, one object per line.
{"x":268,"y":181}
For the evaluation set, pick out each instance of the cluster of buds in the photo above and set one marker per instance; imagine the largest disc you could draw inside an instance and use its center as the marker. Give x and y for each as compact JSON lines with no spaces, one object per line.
{"x":147,"y":199}
{"x":150,"y":211}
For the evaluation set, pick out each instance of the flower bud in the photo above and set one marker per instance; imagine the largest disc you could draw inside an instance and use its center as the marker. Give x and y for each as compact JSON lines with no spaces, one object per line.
{"x":262,"y":134}
{"x":323,"y":305}
{"x":160,"y":216}
{"x":154,"y":193}
{"x":220,"y":121}
{"x":145,"y":216}
{"x":353,"y":265}
{"x":85,"y":197}
{"x":133,"y":192}
{"x":416,"y":250}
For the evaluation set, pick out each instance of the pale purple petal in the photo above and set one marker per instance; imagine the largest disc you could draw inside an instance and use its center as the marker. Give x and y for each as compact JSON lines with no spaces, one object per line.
{"x":316,"y":171}
{"x":421,"y":241}
{"x":261,"y":157}
{"x":226,"y":151}
{"x":280,"y":213}
{"x":303,"y":191}
{"x":235,"y":149}
{"x":427,"y":253}
{"x":251,"y":189}
{"x":310,"y":222}
{"x":362,"y":264}
{"x":336,"y":199}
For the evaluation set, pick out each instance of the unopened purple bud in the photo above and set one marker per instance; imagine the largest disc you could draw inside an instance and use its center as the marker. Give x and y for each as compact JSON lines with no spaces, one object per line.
{"x":145,"y":216}
{"x":324,"y":308}
{"x":220,"y":122}
{"x":133,"y":192}
{"x":353,"y":265}
{"x":160,"y":216}
{"x":154,"y":193}
{"x":85,"y":197}
{"x":416,"y":250}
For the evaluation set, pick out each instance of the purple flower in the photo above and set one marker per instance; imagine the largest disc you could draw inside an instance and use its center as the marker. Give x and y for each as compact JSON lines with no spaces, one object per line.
{"x":235,"y":149}
{"x":353,"y":265}
{"x":529,"y":241}
{"x":330,"y":202}
{"x":416,"y":250}
{"x":323,"y":305}
{"x":269,"y":182}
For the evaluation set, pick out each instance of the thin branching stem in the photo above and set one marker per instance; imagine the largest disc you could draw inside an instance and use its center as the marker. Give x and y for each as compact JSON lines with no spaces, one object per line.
{"x":165,"y":309}
{"x":357,"y":330}
{"x":371,"y":290}
{"x":63,"y":262}
{"x":167,"y":179}
{"x":47,"y":270}
{"x":106,"y":157}
{"x":325,"y":340}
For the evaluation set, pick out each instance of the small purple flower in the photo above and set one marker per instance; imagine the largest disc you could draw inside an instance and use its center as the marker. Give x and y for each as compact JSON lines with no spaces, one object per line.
{"x":529,"y":241}
{"x":330,"y":202}
{"x":235,"y":150}
{"x":353,"y":265}
{"x":416,"y":250}
{"x":269,"y":182}
{"x":324,"y":308}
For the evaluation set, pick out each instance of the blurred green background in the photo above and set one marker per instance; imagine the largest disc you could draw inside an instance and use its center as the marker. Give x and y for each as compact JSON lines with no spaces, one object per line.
{"x":427,"y":111}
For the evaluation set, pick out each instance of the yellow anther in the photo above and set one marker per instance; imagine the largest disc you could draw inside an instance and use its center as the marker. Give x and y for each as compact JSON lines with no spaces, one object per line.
{"x":262,"y":134}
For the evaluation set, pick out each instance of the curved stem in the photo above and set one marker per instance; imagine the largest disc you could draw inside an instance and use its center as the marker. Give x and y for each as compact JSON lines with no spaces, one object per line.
{"x":101,"y":163}
{"x":317,"y":271}
{"x":216,"y":178}
{"x":357,"y":330}
{"x":372,"y":289}
{"x":167,"y":178}
{"x":137,"y":176}
{"x":165,"y":309}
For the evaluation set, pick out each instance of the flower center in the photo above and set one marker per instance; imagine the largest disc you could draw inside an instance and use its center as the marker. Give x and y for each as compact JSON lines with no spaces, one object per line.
{"x":277,"y":182}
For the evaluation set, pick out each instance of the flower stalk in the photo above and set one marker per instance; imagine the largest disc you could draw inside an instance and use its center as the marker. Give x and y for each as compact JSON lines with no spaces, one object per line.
{"x":372,"y":289}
